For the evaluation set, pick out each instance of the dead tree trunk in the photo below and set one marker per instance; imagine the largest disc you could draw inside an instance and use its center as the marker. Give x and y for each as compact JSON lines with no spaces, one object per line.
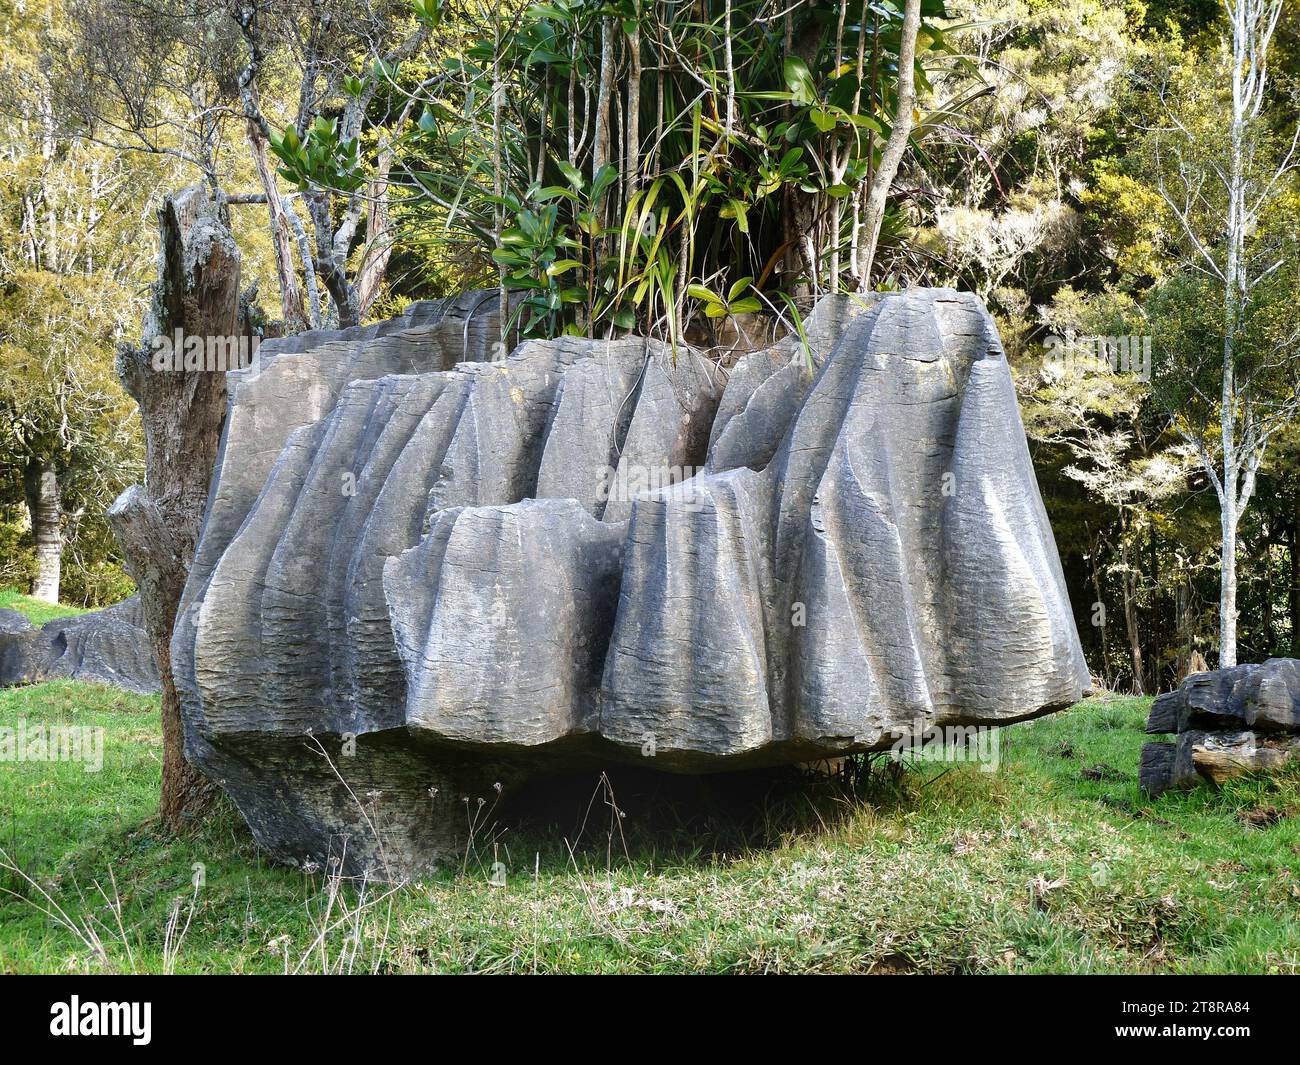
{"x":1134,"y":636}
{"x":41,"y":487}
{"x":157,"y":524}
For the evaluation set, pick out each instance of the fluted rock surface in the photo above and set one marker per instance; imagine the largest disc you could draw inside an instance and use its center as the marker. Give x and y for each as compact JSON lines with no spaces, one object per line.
{"x":419,"y":578}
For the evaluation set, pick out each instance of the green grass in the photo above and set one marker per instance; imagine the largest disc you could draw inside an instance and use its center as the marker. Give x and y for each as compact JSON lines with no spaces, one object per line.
{"x":37,"y":611}
{"x":1051,"y":864}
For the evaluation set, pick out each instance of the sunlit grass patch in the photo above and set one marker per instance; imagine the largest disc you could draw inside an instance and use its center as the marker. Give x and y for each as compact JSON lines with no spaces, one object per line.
{"x":1054,"y":863}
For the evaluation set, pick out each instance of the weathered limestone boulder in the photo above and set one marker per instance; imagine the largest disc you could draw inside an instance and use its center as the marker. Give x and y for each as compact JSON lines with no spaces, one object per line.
{"x":422,"y":578}
{"x":1228,"y":722}
{"x":108,"y":646}
{"x":17,"y":649}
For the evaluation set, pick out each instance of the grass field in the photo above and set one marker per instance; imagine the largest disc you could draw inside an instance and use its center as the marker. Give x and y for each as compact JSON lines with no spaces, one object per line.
{"x":1051,"y":864}
{"x":37,"y":611}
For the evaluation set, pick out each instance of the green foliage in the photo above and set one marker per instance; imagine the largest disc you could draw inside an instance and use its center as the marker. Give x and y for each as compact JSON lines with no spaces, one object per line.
{"x":60,"y":403}
{"x":734,"y":302}
{"x":733,"y":130}
{"x":76,"y":251}
{"x":320,"y":160}
{"x":537,"y":252}
{"x":37,"y":611}
{"x":1128,"y":218}
{"x":1013,"y":172}
{"x":17,"y":560}
{"x":1048,"y":203}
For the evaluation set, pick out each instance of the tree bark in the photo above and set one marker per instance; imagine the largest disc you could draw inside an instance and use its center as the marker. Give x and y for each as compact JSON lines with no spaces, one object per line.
{"x":328,"y":267}
{"x":182,"y":412}
{"x":1228,"y":583}
{"x":41,"y":486}
{"x":1129,"y":586}
{"x":1099,"y":603}
{"x":379,"y":240}
{"x":873,"y":214}
{"x":600,"y":149}
{"x":633,"y":127}
{"x":1134,"y":635}
{"x":295,"y":320}
{"x":1293,"y":552}
{"x":1268,"y":540}
{"x":1182,"y":614}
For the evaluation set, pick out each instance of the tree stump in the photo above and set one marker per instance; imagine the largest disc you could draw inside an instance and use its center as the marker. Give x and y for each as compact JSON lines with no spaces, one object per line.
{"x":181,"y":410}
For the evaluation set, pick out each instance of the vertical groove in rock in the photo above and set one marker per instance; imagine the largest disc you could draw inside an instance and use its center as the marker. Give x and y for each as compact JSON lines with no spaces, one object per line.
{"x":686,"y":669}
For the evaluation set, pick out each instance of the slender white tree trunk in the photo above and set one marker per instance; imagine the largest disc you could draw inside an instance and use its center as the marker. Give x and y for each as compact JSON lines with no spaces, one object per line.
{"x":632,"y":181}
{"x":42,"y":489}
{"x":295,"y":321}
{"x":874,"y":213}
{"x":1233,"y":302}
{"x":600,"y":149}
{"x":1228,"y":584}
{"x":498,"y":183}
{"x":1243,"y":436}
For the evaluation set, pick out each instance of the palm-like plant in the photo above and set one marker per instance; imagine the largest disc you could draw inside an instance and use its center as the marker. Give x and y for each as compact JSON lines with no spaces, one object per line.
{"x":630,"y":162}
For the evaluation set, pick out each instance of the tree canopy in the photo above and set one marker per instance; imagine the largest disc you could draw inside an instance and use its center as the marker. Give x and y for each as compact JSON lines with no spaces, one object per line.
{"x":687,"y":168}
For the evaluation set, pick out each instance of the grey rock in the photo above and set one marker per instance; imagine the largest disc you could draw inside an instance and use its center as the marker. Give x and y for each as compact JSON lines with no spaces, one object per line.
{"x":1254,"y":695}
{"x":766,"y":388}
{"x":1199,"y":757}
{"x":293,"y":384}
{"x":21,"y":661}
{"x":1242,"y":719}
{"x":11,"y":622}
{"x":1156,"y":767}
{"x":686,"y":667}
{"x":668,"y":433}
{"x":109,"y":646}
{"x":417,"y":577}
{"x":508,"y":650}
{"x":589,"y":419}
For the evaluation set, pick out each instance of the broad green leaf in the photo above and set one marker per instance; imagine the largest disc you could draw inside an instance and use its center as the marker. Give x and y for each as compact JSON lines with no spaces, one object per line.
{"x":739,"y":287}
{"x":799,"y":80}
{"x":571,"y":174}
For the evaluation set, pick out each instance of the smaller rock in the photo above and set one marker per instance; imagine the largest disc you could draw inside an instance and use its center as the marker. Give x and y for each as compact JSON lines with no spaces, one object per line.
{"x":19,"y":645}
{"x":109,"y":646}
{"x":1229,"y":722}
{"x":1220,"y":756}
{"x":1156,"y":768}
